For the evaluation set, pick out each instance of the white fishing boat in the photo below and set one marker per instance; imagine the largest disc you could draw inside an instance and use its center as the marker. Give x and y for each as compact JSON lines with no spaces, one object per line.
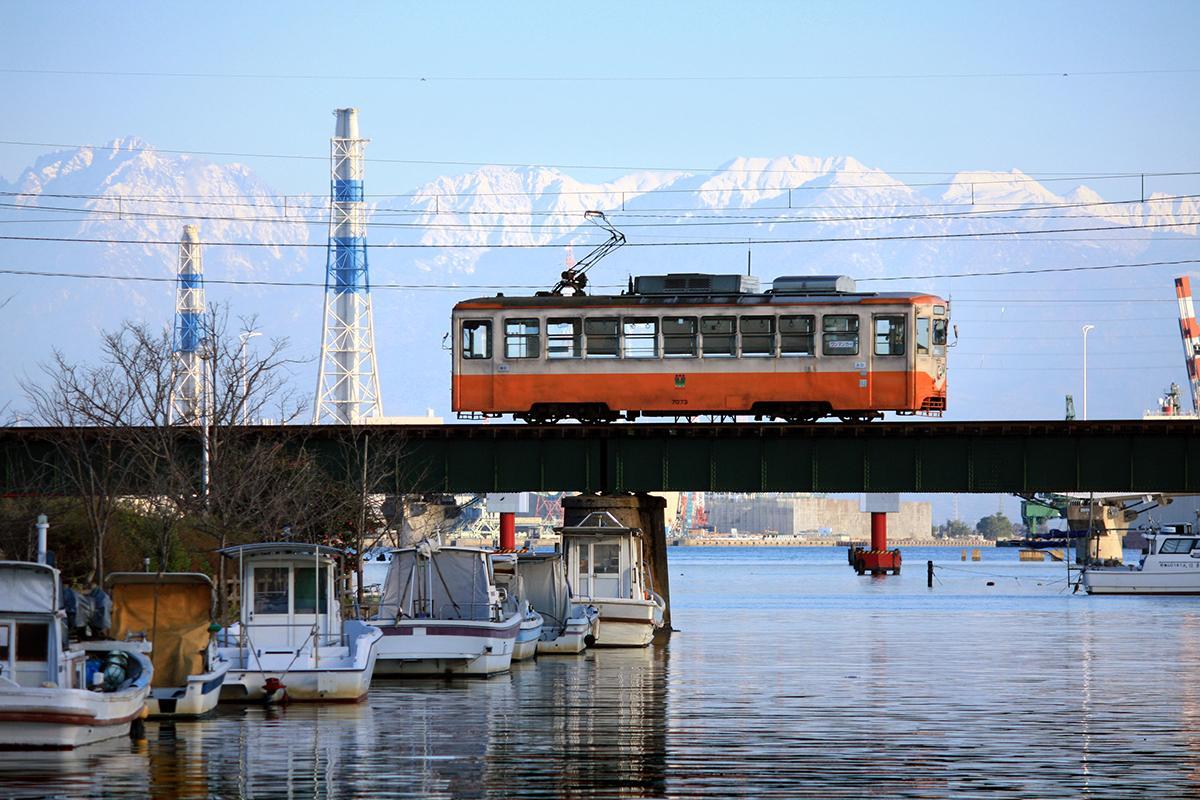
{"x":441,"y":614}
{"x":55,"y":694}
{"x":606,"y":563}
{"x":291,"y":641}
{"x":509,"y":580}
{"x":568,"y":627}
{"x":173,"y":611}
{"x":1170,"y":564}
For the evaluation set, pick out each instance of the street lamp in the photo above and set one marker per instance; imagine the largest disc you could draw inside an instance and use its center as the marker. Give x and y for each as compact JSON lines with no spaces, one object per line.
{"x":1086,"y":329}
{"x":245,"y":337}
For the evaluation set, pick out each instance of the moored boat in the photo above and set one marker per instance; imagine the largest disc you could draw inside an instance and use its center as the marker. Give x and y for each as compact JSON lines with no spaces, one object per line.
{"x":55,"y":694}
{"x":568,"y":627}
{"x":291,"y":640}
{"x":441,"y":614}
{"x":1170,"y":564}
{"x":606,"y":563}
{"x":507,"y":573}
{"x":173,"y":612}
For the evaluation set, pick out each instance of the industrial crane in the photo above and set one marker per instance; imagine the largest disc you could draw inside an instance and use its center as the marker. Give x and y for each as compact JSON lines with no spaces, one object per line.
{"x":573,"y":277}
{"x":1190,"y":332}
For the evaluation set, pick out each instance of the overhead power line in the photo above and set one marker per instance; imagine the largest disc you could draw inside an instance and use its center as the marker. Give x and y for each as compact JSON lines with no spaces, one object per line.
{"x":740,"y":242}
{"x":451,"y":286}
{"x":605,"y":78}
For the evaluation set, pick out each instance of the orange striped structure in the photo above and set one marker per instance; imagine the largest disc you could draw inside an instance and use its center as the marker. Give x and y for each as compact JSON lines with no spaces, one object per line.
{"x":1190,"y":333}
{"x":793,"y":357}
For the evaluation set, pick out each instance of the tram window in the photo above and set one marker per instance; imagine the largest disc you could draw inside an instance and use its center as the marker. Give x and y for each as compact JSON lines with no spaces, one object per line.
{"x":758,"y":336}
{"x":603,"y":339}
{"x":840,"y":335}
{"x":521,"y":338}
{"x":641,"y":338}
{"x":939,"y":332}
{"x":923,"y":336}
{"x":719,"y":339}
{"x":796,"y":336}
{"x":1177,"y":546}
{"x":477,"y":339}
{"x":889,"y":336}
{"x":679,"y":336}
{"x":562,"y":338}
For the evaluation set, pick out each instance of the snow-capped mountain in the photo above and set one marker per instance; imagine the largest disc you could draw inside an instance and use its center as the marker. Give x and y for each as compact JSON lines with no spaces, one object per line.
{"x":819,"y":215}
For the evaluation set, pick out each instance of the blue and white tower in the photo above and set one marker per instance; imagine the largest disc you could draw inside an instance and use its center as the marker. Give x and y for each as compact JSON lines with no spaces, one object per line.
{"x":187,"y":386}
{"x":347,"y":381}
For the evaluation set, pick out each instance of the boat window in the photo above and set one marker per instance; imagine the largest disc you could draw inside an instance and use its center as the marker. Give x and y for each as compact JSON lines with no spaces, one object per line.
{"x":839,"y":335}
{"x":796,"y":336}
{"x":310,"y":585}
{"x":583,"y":561}
{"x":641,"y":338}
{"x":923,"y":336}
{"x":719,"y":339}
{"x":521,"y":338}
{"x":889,"y":336}
{"x":679,"y":336}
{"x":562,"y":338}
{"x":5,"y":633}
{"x":939,"y":332}
{"x":607,"y":558}
{"x":1177,"y":546}
{"x":758,"y":336}
{"x":33,"y":641}
{"x":477,"y":339}
{"x":271,"y":590}
{"x":602,"y":337}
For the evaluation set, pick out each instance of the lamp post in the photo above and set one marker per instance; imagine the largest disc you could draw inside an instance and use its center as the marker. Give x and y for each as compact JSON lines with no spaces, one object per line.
{"x":1086,"y":329}
{"x":245,"y":337}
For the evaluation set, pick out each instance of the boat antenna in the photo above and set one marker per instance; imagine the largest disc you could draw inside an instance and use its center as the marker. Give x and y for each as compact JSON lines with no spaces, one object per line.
{"x":573,"y":277}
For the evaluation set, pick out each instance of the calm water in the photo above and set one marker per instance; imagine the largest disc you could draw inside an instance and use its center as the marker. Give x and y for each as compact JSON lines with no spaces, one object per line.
{"x":790,"y":676}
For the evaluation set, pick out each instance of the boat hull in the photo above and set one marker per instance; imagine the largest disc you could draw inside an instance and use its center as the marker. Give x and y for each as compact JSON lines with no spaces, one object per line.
{"x":627,"y":623}
{"x":1130,"y":581}
{"x":35,"y":718}
{"x":198,"y":698}
{"x":576,"y":635}
{"x":446,"y":647}
{"x":340,"y":677}
{"x":526,"y":644}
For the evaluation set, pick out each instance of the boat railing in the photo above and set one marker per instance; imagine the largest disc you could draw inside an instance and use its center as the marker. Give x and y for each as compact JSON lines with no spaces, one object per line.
{"x":312,"y":634}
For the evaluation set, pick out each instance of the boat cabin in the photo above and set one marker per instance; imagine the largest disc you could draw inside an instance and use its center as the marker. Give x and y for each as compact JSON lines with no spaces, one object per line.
{"x":605,"y":558}
{"x":33,"y":646}
{"x":288,"y":594}
{"x":1174,"y":540}
{"x":432,"y":582}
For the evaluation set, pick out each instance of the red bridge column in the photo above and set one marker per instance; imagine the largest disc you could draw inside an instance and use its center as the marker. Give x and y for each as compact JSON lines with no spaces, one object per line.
{"x":508,"y":530}
{"x":878,"y":560}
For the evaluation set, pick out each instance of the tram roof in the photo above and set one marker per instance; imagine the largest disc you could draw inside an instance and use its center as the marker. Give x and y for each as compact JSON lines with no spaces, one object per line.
{"x":688,"y":300}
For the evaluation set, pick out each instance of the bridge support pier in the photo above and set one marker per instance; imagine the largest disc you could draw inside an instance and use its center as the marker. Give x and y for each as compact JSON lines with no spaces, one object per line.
{"x":646,"y":512}
{"x":508,"y":530}
{"x":878,"y":560}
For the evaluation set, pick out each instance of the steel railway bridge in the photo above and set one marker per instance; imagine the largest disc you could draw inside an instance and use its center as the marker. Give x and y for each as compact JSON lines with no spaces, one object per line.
{"x":1157,"y":455}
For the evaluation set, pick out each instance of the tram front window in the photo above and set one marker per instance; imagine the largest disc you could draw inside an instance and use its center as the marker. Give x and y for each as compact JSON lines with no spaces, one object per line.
{"x":477,"y":339}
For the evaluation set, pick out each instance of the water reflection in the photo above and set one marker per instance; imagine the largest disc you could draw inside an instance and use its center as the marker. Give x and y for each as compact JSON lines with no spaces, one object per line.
{"x":790,"y":677}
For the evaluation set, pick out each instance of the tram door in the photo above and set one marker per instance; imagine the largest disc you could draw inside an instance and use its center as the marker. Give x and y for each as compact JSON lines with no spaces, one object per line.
{"x":891,"y":384}
{"x":476,"y":363}
{"x":923,"y":363}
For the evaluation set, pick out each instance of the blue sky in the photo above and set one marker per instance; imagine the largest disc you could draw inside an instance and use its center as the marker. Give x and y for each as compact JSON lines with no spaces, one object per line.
{"x":1039,"y":124}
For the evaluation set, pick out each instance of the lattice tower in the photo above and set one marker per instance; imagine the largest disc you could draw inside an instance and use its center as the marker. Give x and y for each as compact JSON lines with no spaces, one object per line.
{"x":348,"y":379}
{"x":187,"y":384}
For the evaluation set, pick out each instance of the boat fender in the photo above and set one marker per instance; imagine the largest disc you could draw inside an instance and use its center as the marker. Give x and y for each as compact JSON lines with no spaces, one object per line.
{"x":274,"y":690}
{"x":116,"y":668}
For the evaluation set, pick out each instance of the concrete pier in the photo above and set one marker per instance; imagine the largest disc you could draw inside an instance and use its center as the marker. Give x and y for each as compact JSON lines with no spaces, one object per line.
{"x":644,"y":511}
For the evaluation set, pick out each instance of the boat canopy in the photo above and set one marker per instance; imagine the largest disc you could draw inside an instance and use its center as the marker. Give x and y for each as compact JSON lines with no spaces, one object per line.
{"x":276,"y":549}
{"x":27,"y":587}
{"x":173,"y":611}
{"x":545,"y":582}
{"x":427,"y":582}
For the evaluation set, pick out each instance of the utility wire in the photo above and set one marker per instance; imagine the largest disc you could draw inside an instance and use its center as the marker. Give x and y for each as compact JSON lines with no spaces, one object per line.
{"x":741,"y":242}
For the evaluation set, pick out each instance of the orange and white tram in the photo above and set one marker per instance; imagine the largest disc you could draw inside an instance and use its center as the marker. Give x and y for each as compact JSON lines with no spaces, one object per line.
{"x":699,"y":345}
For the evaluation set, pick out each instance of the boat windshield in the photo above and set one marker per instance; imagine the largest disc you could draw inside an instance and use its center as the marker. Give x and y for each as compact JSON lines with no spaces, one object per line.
{"x":1177,"y":546}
